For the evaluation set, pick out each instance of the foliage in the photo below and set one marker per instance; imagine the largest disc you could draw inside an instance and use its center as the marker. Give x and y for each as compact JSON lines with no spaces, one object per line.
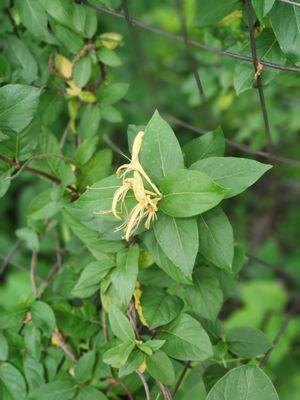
{"x":129,"y":267}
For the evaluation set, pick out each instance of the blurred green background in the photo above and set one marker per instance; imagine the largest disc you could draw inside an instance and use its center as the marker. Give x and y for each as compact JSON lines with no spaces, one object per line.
{"x":266,"y":219}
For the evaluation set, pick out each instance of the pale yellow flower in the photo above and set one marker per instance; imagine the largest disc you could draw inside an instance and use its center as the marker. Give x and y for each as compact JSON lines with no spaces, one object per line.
{"x":147,"y":200}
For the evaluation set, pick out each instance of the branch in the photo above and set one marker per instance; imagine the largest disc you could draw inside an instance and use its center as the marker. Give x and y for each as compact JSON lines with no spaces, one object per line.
{"x":37,"y":172}
{"x":295,"y":308}
{"x":239,"y":146}
{"x":33,"y":272}
{"x":146,"y":387}
{"x":9,"y":256}
{"x":179,"y":38}
{"x":181,"y":377}
{"x":257,"y":68}
{"x":190,"y":55}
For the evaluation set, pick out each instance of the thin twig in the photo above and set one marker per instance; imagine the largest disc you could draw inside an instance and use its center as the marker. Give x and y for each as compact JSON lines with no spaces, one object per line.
{"x":190,"y":55}
{"x":63,"y":345}
{"x":35,"y":158}
{"x":293,"y":3}
{"x":295,"y":308}
{"x":181,"y":377}
{"x":239,"y":146}
{"x":166,"y":392}
{"x":33,"y":265}
{"x":38,"y":172}
{"x":145,"y":384}
{"x":256,"y":65}
{"x":104,"y":326}
{"x":191,"y":42}
{"x":9,"y":256}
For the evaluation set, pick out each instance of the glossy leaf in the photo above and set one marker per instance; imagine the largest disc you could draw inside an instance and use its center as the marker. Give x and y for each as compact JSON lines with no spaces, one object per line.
{"x":234,"y":173}
{"x":187,"y":193}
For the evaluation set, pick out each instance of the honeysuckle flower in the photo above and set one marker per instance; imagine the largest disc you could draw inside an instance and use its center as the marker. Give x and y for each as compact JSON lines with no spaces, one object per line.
{"x":147,"y":200}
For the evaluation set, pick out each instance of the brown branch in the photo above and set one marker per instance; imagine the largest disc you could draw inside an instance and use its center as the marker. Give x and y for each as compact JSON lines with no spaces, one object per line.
{"x":181,"y":377}
{"x":9,"y":256}
{"x":37,"y":172}
{"x":239,"y":146}
{"x":33,"y":265}
{"x":145,"y":384}
{"x":166,"y":392}
{"x":61,"y":343}
{"x":295,"y":308}
{"x":190,"y":55}
{"x":257,"y":67}
{"x":158,"y":31}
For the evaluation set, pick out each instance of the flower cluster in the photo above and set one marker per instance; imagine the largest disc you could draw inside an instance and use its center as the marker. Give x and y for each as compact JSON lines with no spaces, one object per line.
{"x":147,"y":200}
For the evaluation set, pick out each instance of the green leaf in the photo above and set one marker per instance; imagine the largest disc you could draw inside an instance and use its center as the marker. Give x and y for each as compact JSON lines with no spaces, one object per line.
{"x":120,"y":325}
{"x":69,"y":39}
{"x":89,"y":121}
{"x":91,"y":238}
{"x":5,"y":172}
{"x":60,"y":10}
{"x":54,"y":163}
{"x":33,"y":341}
{"x":13,"y":381}
{"x":205,"y":297}
{"x":160,"y":153}
{"x":46,"y":204}
{"x":285,"y":21}
{"x":216,"y":238}
{"x":86,"y":149}
{"x":18,"y":104}
{"x":58,"y":389}
{"x":90,"y":393}
{"x":11,"y":319}
{"x":135,"y":359}
{"x":3,"y":347}
{"x":186,"y":339}
{"x":29,"y":237}
{"x":35,"y":19}
{"x":113,"y":93}
{"x":108,"y":57}
{"x":90,"y":278}
{"x":247,"y":382}
{"x":77,"y":322}
{"x":34,"y":372}
{"x":118,"y":355}
{"x":235,"y":173}
{"x":187,"y":193}
{"x":163,"y":261}
{"x":178,"y":239}
{"x":110,"y":113}
{"x":212,"y":144}
{"x":82,"y":71}
{"x":43,"y":316}
{"x":247,"y":342}
{"x":161,"y":308}
{"x":262,"y":7}
{"x":97,"y":198}
{"x":84,"y":367}
{"x":161,"y":368}
{"x":213,"y":11}
{"x":91,"y":22}
{"x":125,"y":275}
{"x":97,"y":168}
{"x":22,"y":59}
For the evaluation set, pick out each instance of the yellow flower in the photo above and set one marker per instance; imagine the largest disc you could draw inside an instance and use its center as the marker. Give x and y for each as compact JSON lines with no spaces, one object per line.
{"x":137,"y":294}
{"x":147,"y":200}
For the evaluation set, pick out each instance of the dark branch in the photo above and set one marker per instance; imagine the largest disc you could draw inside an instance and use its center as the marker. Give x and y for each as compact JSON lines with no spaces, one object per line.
{"x":256,"y":65}
{"x":158,"y":31}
